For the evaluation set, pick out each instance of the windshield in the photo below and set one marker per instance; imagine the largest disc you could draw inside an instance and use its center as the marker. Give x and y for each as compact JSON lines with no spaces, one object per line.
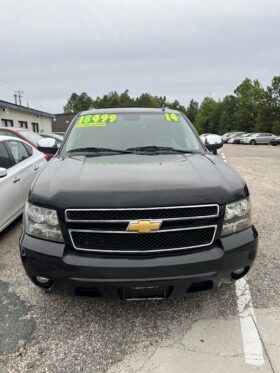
{"x":31,"y":136}
{"x":130,"y":131}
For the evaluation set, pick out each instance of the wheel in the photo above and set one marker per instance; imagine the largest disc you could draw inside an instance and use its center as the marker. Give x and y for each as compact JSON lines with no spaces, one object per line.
{"x":253,"y":142}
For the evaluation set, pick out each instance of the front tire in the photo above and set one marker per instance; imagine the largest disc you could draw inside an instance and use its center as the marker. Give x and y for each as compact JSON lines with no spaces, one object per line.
{"x":253,"y":142}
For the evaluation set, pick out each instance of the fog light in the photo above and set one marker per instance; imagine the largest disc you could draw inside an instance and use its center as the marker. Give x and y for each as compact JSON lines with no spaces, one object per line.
{"x":42,"y":280}
{"x":240,"y":272}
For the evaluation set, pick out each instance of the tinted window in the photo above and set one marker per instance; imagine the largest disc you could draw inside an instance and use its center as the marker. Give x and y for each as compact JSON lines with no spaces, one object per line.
{"x":31,"y":136}
{"x":5,"y":160}
{"x":18,"y":151}
{"x":7,"y":133}
{"x":29,"y":149}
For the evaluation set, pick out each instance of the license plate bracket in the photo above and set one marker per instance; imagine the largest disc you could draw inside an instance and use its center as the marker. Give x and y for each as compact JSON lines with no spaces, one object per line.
{"x":144,"y":293}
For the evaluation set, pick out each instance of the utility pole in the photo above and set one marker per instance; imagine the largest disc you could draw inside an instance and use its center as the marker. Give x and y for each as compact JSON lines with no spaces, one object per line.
{"x":18,"y":94}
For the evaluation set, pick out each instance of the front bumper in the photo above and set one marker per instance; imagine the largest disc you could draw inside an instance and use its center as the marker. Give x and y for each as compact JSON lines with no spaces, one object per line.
{"x":126,"y":276}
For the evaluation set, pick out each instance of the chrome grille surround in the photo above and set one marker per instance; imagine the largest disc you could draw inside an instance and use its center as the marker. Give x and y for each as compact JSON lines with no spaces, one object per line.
{"x":152,"y":209}
{"x":121,"y":234}
{"x":71,"y":231}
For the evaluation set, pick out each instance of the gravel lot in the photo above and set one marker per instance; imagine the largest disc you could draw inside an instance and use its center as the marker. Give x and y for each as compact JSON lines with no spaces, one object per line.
{"x":48,"y":333}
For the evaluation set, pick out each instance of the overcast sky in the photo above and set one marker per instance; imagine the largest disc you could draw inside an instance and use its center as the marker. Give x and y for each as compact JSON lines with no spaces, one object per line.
{"x":182,"y":49}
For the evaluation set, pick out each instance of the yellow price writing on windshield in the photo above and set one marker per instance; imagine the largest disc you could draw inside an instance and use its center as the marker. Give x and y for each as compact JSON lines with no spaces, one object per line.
{"x":96,"y":120}
{"x":171,"y":117}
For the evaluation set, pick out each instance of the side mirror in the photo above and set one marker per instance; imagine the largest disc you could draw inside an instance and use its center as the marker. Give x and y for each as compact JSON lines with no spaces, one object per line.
{"x":3,"y":172}
{"x":213,"y":142}
{"x":47,"y":145}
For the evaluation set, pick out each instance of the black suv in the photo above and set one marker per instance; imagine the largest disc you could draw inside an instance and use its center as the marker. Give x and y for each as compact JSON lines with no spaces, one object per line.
{"x":133,"y":206}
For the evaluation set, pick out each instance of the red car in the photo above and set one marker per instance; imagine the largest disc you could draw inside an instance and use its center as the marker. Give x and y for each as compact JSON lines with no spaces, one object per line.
{"x":31,"y":137}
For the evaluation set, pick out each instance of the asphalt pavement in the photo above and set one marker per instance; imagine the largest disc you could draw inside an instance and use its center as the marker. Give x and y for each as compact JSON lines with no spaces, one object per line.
{"x":234,"y":328}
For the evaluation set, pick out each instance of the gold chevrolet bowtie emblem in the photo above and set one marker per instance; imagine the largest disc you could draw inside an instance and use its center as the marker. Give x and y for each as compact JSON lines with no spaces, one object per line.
{"x":144,"y":226}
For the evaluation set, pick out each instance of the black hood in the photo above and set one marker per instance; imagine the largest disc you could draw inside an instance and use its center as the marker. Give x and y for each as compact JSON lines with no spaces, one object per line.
{"x":129,"y":180}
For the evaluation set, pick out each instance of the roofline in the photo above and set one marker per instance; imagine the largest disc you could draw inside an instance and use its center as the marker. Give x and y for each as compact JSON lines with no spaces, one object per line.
{"x":56,"y":115}
{"x":24,"y":108}
{"x":130,"y":109}
{"x":4,"y":137}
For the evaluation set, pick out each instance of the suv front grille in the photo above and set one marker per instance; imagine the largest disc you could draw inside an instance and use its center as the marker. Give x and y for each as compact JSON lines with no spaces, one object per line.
{"x":131,"y":242}
{"x":107,"y":230}
{"x":168,"y":213}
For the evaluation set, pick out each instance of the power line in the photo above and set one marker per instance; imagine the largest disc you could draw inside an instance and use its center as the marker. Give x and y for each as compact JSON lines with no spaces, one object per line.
{"x":18,"y":94}
{"x":9,"y":85}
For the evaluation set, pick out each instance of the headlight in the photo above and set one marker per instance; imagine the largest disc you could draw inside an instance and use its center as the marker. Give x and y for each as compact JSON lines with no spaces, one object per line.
{"x":237,"y":216}
{"x":42,"y":223}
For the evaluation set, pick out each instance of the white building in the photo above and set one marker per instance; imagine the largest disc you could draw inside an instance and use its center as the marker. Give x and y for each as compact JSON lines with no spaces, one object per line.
{"x":12,"y":115}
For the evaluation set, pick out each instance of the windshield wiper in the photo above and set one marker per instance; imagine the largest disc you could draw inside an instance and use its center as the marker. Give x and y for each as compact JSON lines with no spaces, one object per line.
{"x":148,"y":149}
{"x":154,"y":148}
{"x":98,"y":150}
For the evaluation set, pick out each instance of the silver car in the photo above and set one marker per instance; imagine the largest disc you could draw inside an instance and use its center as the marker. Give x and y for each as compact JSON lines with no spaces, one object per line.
{"x":20,"y":163}
{"x":258,"y":138}
{"x":229,"y":135}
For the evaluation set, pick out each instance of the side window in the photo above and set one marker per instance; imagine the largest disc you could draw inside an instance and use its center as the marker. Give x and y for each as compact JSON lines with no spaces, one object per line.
{"x":5,"y":160}
{"x":18,"y":151}
{"x":7,"y":133}
{"x":29,"y":149}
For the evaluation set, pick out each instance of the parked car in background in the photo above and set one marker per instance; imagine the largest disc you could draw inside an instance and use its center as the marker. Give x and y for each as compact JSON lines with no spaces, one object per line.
{"x":58,"y":138}
{"x":258,"y":138}
{"x":20,"y":163}
{"x":275,"y":141}
{"x":204,"y":135}
{"x":31,"y":137}
{"x":226,"y":136}
{"x":230,"y":135}
{"x":237,"y":138}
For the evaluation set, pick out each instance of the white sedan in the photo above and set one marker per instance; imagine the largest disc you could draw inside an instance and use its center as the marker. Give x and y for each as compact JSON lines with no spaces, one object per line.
{"x":20,"y":163}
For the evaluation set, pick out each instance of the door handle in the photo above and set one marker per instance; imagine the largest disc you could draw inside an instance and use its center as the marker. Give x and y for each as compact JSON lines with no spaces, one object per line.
{"x":16,"y":179}
{"x":35,"y":168}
